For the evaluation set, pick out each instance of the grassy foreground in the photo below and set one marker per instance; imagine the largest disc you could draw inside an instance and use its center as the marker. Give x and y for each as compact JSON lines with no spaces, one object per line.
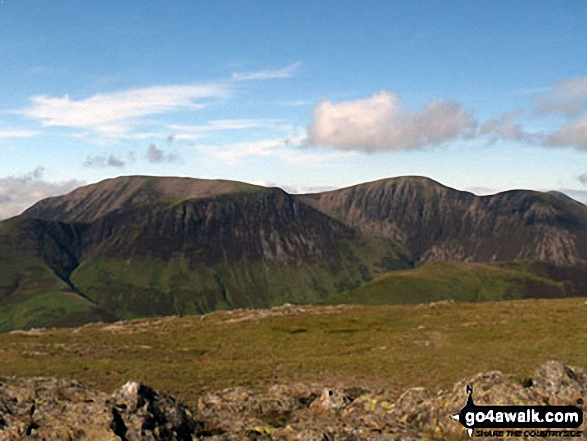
{"x":392,"y":347}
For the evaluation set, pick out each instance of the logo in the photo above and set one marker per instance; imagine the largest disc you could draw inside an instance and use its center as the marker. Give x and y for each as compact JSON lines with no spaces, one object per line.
{"x":476,"y":418}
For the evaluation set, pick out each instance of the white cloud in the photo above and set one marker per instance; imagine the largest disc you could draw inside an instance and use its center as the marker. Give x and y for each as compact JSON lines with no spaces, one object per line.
{"x":284,"y":72}
{"x":569,"y":98}
{"x":379,"y":123}
{"x":17,"y":133}
{"x":17,"y":193}
{"x":573,"y":134}
{"x":583,"y":178}
{"x":113,"y":114}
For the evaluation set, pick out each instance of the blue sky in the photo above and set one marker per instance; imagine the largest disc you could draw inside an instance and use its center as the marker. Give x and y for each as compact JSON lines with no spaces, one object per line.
{"x":481,"y":96}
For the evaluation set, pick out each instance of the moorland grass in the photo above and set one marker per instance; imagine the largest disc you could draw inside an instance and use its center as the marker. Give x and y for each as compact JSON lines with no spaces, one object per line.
{"x":392,"y":347}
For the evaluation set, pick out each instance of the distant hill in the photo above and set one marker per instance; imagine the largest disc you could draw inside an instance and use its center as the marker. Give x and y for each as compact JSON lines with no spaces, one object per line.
{"x":140,"y":246}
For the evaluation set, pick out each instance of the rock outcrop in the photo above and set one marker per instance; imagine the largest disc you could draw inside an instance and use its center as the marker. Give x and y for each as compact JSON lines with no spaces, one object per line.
{"x":54,"y":409}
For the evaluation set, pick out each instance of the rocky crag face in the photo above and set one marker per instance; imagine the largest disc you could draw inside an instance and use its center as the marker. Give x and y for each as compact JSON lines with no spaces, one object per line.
{"x":435,"y":222}
{"x":48,"y":408}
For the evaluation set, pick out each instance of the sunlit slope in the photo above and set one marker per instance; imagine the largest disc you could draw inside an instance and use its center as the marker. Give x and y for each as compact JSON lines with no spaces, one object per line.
{"x":458,"y":281}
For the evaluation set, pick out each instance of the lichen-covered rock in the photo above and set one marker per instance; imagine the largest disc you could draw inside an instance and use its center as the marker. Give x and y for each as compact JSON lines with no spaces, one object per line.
{"x":358,"y":414}
{"x":54,"y":409}
{"x":558,"y":384}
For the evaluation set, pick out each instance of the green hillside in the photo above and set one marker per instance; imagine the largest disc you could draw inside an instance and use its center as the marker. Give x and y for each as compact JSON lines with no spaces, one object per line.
{"x":458,"y":281}
{"x":152,"y":286}
{"x":31,"y":292}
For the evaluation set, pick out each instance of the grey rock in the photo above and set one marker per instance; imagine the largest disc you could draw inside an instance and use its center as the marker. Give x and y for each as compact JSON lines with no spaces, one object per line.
{"x":57,"y":409}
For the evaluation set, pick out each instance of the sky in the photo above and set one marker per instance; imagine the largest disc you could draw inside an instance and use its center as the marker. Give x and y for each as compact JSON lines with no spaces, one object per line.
{"x":481,"y":96}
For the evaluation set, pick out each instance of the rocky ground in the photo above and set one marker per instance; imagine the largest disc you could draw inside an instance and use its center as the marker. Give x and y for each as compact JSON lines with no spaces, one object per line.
{"x":58,"y":409}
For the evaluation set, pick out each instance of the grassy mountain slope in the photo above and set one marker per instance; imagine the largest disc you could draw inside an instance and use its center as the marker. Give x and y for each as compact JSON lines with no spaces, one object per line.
{"x":435,"y":222}
{"x":34,"y":258}
{"x":459,"y":281}
{"x":134,"y":247}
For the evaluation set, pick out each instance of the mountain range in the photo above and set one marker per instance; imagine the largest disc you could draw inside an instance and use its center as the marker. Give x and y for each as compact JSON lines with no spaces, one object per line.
{"x":142,"y":246}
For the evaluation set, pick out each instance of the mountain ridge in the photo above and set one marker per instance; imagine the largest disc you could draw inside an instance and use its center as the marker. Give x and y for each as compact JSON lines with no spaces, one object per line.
{"x":138,"y":246}
{"x":436,"y":222}
{"x":127,"y":191}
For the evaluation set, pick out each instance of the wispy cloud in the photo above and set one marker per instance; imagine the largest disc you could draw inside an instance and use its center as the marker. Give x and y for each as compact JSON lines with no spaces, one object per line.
{"x":192,"y":132}
{"x":283,"y":148}
{"x":114,"y":114}
{"x":13,"y":133}
{"x":284,"y":72}
{"x":379,"y":124}
{"x":223,"y":124}
{"x":583,"y":178}
{"x":17,"y":193}
{"x":230,"y":152}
